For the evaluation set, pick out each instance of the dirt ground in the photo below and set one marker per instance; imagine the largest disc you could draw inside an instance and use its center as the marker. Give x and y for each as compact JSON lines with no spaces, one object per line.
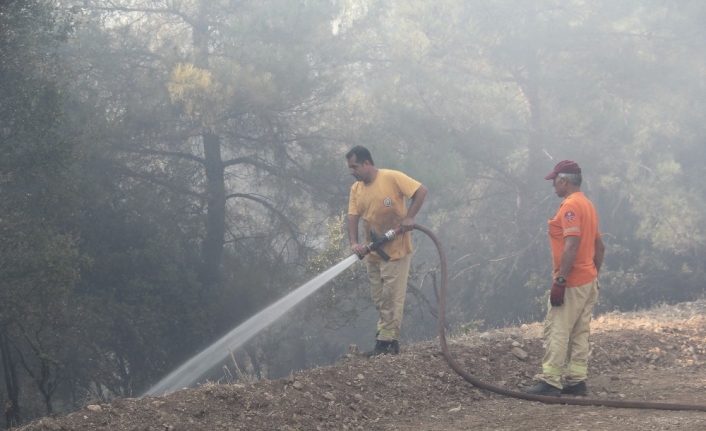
{"x":656,"y":355}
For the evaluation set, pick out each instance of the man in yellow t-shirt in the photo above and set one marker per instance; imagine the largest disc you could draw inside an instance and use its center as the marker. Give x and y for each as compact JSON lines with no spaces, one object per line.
{"x":577,"y":254}
{"x":378,"y":196}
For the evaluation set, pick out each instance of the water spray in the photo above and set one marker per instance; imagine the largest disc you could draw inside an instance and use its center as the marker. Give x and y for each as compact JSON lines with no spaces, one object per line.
{"x":188,"y":373}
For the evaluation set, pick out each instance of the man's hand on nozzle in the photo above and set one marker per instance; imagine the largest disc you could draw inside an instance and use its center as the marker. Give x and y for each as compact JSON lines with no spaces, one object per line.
{"x":358,"y":249}
{"x":556,"y":296}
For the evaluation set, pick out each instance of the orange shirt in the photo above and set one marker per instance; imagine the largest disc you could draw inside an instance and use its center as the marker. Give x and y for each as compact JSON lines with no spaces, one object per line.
{"x":381,"y":205}
{"x":576,"y":216}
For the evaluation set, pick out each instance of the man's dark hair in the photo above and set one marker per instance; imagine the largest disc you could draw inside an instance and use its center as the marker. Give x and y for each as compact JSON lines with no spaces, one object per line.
{"x":361,"y":155}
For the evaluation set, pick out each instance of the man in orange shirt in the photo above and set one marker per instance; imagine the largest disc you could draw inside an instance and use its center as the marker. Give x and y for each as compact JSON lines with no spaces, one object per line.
{"x":378,"y":196}
{"x":577,"y":252}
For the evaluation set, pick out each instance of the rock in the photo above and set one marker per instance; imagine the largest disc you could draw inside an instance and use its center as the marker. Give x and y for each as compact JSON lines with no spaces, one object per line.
{"x":486,"y":336}
{"x":94,"y":408}
{"x":297,"y":385}
{"x":49,"y":424}
{"x":519,"y":353}
{"x":329,"y":396}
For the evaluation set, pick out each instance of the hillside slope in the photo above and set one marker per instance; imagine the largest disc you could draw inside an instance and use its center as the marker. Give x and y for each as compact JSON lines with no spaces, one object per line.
{"x":655,"y":355}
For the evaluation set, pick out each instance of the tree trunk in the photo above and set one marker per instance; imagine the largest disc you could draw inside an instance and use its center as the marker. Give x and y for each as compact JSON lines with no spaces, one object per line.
{"x":212,"y":250}
{"x":298,"y":358}
{"x":45,"y":386}
{"x":12,"y":407}
{"x":216,"y":217}
{"x":47,"y":402}
{"x":529,"y":86}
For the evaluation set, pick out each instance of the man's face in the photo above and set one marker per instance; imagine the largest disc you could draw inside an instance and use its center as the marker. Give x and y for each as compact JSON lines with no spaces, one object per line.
{"x":560,"y":184}
{"x":358,"y":170}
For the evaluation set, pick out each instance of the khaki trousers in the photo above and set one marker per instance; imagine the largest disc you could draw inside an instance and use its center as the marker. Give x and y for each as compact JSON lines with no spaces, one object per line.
{"x":388,"y":288}
{"x":566,"y":331}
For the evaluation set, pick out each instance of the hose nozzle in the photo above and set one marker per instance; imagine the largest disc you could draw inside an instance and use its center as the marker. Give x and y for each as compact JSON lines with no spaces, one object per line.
{"x":379,"y":241}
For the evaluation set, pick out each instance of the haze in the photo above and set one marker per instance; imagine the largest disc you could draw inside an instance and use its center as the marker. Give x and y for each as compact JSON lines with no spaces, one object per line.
{"x":168,"y":168}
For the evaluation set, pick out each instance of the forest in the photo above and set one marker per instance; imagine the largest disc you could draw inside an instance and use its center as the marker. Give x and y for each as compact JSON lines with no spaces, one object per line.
{"x":168,"y":168}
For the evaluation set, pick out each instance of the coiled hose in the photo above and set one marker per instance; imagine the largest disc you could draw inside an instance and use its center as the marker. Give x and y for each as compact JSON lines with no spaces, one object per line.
{"x":521,"y":395}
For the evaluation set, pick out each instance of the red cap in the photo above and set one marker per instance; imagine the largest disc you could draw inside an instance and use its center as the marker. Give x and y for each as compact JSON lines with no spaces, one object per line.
{"x":564,"y":167}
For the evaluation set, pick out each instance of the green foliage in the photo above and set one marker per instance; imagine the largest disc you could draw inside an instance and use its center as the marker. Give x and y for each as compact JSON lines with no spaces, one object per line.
{"x":109,"y":188}
{"x":38,"y":271}
{"x":346,"y":296}
{"x":40,"y":260}
{"x":335,"y":247}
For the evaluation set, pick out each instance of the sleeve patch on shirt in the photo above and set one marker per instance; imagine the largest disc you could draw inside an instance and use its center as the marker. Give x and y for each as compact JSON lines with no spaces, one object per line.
{"x":569,"y":216}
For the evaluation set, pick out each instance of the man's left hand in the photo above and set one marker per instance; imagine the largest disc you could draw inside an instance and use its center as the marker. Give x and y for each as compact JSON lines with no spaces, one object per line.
{"x":407,"y":224}
{"x":556,"y":296}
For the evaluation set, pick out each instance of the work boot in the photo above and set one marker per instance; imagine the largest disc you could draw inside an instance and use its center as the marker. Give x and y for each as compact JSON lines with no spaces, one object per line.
{"x":577,"y":389}
{"x":384,"y":348}
{"x":542,"y":388}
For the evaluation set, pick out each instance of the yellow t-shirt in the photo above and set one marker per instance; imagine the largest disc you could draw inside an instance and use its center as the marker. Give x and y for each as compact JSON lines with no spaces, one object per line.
{"x":381,"y":205}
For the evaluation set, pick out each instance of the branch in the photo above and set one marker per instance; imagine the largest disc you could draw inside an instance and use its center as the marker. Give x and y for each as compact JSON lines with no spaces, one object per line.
{"x":511,"y":255}
{"x":290,"y":226}
{"x":247,"y":161}
{"x":423,"y":298}
{"x":256,"y":163}
{"x":166,"y":11}
{"x":266,"y":167}
{"x":168,"y":153}
{"x":153,"y":179}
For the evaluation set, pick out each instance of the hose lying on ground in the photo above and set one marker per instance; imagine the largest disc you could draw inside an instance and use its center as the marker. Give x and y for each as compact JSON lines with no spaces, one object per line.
{"x":521,"y":395}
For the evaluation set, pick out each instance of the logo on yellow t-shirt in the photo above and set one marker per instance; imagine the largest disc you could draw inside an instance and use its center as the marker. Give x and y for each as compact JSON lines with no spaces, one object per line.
{"x":387,"y":202}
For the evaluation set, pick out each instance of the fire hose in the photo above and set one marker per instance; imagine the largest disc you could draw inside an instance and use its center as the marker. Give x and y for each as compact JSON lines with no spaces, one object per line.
{"x":521,"y":395}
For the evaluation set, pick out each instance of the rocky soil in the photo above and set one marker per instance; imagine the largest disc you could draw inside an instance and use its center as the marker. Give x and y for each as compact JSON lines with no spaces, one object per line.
{"x":655,"y":355}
